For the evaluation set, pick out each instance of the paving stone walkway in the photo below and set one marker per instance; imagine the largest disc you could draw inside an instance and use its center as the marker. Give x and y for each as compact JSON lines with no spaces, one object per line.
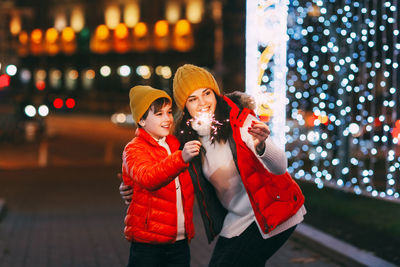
{"x":73,"y":216}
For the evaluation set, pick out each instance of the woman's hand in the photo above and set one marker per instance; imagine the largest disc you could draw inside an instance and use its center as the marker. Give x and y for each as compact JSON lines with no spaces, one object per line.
{"x":190,"y":150}
{"x":260,"y":132}
{"x":125,"y":191}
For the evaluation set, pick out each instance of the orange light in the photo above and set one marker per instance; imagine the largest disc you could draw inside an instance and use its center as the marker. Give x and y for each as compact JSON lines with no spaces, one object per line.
{"x":112,"y":16}
{"x":90,"y":74}
{"x":314,"y":11}
{"x":60,"y":21}
{"x":40,"y":75}
{"x":161,"y":28}
{"x":121,"y":42}
{"x":15,"y":25}
{"x":310,"y":120}
{"x":172,"y":11}
{"x":182,"y":27}
{"x":70,"y":103}
{"x":132,"y":14}
{"x":51,"y":35}
{"x":36,"y":36}
{"x":121,"y":31}
{"x":396,"y":130}
{"x":102,"y":32}
{"x":77,"y":19}
{"x":183,"y":37}
{"x":397,"y":124}
{"x":324,"y":119}
{"x":73,"y":74}
{"x":194,"y":11}
{"x":23,"y":38}
{"x":68,"y":34}
{"x":140,"y":29}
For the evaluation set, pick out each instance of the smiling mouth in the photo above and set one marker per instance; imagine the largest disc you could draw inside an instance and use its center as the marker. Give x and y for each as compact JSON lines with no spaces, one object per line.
{"x":202,"y":110}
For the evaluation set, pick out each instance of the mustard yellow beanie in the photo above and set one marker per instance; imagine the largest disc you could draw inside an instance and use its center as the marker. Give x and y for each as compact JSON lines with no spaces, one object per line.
{"x":188,"y":78}
{"x":141,"y":97}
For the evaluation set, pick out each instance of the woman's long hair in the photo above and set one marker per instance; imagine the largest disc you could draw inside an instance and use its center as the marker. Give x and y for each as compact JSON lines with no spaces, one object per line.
{"x":184,"y":131}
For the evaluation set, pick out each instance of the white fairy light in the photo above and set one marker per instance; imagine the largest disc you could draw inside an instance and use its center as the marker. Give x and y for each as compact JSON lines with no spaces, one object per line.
{"x":266,"y":42}
{"x":359,"y":83}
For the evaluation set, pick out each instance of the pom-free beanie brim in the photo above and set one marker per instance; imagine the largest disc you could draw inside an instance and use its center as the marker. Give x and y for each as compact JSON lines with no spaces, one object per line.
{"x":141,"y":97}
{"x":188,"y":78}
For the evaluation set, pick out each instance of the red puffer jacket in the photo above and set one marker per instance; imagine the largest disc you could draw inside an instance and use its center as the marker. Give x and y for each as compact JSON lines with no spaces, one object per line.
{"x":147,"y":167}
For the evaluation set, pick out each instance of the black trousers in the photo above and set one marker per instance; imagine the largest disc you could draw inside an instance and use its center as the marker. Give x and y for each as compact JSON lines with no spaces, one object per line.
{"x":247,"y":249}
{"x":160,"y":255}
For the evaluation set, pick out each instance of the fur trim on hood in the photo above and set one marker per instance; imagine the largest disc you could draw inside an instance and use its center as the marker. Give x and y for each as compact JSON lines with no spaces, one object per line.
{"x":242,"y":100}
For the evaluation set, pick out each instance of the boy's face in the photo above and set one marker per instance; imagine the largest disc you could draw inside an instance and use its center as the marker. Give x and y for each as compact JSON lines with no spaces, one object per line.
{"x":158,"y":124}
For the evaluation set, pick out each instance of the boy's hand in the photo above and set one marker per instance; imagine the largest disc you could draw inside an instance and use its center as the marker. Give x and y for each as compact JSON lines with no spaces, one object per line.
{"x":190,"y":150}
{"x":260,"y":132}
{"x":126,"y":192}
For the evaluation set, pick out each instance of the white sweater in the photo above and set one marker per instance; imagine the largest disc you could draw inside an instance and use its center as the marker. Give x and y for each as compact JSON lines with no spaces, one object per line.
{"x":219,"y":168}
{"x":179,"y":206}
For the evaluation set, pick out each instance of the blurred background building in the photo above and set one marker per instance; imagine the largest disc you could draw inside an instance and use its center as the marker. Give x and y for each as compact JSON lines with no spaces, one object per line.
{"x":84,"y":56}
{"x":340,"y":71}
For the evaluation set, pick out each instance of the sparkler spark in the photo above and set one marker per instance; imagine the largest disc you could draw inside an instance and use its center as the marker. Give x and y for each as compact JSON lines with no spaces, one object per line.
{"x":205,"y":124}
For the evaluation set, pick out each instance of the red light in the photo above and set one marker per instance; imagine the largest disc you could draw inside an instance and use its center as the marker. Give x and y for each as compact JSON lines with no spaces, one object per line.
{"x":58,"y":103}
{"x":40,"y":85}
{"x":396,"y":130}
{"x":70,"y":103}
{"x":377,"y":122}
{"x":4,"y":80}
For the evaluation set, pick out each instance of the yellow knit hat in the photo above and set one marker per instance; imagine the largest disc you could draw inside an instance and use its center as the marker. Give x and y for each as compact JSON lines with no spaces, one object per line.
{"x":141,"y":97}
{"x":188,"y":78}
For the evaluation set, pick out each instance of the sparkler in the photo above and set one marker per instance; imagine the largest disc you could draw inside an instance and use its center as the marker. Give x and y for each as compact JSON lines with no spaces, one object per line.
{"x":205,"y":124}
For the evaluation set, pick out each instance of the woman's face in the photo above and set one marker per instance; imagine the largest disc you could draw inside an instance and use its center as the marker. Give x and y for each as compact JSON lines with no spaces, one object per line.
{"x":201,"y":101}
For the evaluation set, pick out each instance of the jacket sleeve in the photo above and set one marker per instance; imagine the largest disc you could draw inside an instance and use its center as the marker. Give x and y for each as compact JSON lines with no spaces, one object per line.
{"x":125,"y":176}
{"x":273,"y":158}
{"x":148,"y":173}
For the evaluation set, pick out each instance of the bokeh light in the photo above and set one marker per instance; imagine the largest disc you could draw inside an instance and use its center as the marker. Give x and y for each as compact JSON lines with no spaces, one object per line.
{"x":343,"y":65}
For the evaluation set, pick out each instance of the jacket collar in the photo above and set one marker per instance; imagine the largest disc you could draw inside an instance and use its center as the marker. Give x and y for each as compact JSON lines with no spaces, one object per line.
{"x":171,"y":140}
{"x":237,"y":116}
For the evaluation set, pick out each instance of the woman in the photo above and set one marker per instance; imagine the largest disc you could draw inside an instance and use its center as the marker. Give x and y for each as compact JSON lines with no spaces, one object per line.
{"x":242,"y":187}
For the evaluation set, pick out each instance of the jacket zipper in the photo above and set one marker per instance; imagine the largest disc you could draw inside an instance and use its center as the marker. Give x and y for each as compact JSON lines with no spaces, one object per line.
{"x":148,"y":214}
{"x":259,"y":212}
{"x":204,"y":203}
{"x":254,"y":205}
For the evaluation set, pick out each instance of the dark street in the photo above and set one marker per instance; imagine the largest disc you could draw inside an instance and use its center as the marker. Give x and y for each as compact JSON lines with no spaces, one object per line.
{"x":73,"y":216}
{"x":70,"y":213}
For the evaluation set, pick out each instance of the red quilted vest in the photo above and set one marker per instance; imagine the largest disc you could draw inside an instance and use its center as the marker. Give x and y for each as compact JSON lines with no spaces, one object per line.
{"x":274,"y":198}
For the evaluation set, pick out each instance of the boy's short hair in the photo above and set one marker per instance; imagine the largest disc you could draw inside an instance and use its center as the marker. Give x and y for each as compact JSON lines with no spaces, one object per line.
{"x":157,"y":105}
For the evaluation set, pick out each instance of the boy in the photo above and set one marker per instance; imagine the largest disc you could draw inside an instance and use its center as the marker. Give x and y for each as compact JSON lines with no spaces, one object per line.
{"x":159,"y":220}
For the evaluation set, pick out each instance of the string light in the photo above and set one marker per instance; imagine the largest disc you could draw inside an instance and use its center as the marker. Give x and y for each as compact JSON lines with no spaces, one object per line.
{"x":343,"y":64}
{"x":266,"y":39}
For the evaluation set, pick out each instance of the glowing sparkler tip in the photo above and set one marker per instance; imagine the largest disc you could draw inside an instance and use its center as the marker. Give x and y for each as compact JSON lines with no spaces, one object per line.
{"x":205,"y":124}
